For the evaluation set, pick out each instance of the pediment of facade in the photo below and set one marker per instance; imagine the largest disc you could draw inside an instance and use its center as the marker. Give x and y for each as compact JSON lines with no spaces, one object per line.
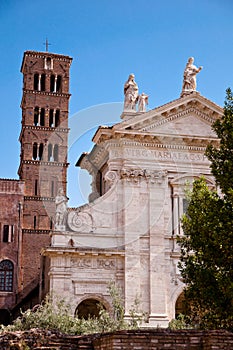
{"x":189,"y":116}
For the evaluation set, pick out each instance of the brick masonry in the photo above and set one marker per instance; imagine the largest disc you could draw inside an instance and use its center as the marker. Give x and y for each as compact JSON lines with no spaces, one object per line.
{"x":153,"y":339}
{"x":42,"y":171}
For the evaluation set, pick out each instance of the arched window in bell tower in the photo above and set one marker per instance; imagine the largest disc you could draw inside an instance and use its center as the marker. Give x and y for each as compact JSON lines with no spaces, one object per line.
{"x":34,"y":151}
{"x":52,"y":83}
{"x":39,"y":82}
{"x":51,"y":122}
{"x":41,"y":148}
{"x":36,"y":115}
{"x":42,"y":115}
{"x":55,"y":83}
{"x":55,"y":155}
{"x":36,"y":81}
{"x":34,"y":222}
{"x":58,"y":87}
{"x":42,"y":83}
{"x":50,"y":153}
{"x":57,"y":118}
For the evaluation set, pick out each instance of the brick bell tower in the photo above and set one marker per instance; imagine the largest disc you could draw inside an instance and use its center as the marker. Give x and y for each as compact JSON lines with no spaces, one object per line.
{"x":43,"y":159}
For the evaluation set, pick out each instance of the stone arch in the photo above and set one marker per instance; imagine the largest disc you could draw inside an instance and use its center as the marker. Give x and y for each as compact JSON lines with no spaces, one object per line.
{"x":89,"y":306}
{"x":181,"y":306}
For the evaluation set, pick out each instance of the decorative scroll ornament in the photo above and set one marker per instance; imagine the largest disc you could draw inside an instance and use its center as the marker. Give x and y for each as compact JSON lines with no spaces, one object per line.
{"x":111,"y":176}
{"x":153,"y":176}
{"x":80,"y":221}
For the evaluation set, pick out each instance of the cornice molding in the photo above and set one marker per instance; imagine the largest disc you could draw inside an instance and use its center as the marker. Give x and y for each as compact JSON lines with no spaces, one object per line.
{"x":26,"y":230}
{"x":39,"y":199}
{"x":45,"y":93}
{"x":183,"y":145}
{"x":45,"y":128}
{"x":40,"y":162}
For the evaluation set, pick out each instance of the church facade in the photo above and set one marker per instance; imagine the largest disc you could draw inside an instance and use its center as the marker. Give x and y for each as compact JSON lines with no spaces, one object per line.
{"x":140,"y":169}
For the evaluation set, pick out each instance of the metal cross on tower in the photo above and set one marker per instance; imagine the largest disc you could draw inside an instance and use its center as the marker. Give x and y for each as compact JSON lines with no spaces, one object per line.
{"x":47,"y":45}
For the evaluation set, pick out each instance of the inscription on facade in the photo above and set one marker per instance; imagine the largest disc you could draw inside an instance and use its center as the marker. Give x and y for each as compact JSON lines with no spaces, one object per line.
{"x":162,"y":155}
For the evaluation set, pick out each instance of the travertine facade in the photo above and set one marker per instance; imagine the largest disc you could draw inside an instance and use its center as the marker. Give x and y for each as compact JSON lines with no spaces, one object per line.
{"x":127,"y":233}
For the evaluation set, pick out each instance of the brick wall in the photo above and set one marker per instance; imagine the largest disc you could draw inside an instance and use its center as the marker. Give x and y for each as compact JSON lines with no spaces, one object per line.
{"x":152,"y":339}
{"x":32,"y":244}
{"x":158,"y":339}
{"x":11,"y":200}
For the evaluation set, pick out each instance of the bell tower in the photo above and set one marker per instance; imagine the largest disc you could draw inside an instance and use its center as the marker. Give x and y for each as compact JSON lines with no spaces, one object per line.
{"x":44,"y":141}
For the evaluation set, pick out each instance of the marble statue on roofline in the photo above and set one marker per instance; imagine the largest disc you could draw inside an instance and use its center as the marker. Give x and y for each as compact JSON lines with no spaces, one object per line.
{"x":142,"y":102}
{"x":131,"y":94}
{"x":132,"y":97}
{"x":61,"y":210}
{"x":189,"y":80}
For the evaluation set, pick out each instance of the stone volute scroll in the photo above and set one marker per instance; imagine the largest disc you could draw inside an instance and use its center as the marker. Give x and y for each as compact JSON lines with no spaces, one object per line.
{"x":61,"y":210}
{"x":189,"y":79}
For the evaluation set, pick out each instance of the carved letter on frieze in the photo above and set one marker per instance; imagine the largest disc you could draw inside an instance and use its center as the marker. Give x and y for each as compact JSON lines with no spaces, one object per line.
{"x":81,"y":262}
{"x":80,"y":221}
{"x":107,"y":264}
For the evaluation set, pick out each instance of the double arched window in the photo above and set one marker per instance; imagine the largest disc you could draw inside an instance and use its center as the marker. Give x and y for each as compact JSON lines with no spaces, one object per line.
{"x":6,"y":276}
{"x":37,"y":151}
{"x":39,"y":116}
{"x":39,"y":82}
{"x":55,"y":83}
{"x":52,"y":153}
{"x":54,"y":116}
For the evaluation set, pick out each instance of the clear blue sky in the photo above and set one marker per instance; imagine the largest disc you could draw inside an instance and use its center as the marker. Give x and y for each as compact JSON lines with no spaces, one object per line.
{"x":108,"y":39}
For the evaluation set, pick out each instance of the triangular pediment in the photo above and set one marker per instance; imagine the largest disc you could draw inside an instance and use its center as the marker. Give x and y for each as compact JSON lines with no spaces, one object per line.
{"x":187,"y":125}
{"x":192,"y":115}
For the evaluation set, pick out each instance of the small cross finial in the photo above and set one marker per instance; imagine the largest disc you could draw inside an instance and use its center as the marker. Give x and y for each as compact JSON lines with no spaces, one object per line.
{"x":47,"y":45}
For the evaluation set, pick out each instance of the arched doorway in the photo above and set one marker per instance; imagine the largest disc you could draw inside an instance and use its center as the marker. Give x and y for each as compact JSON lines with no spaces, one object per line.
{"x":88,"y":308}
{"x":181,"y":305}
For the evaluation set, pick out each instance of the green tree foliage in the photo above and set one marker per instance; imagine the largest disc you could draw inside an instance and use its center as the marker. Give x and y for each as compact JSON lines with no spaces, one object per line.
{"x":206,"y":262}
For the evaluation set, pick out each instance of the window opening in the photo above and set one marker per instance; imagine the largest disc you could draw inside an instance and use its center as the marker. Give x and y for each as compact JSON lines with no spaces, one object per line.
{"x":50,"y":155}
{"x":52,"y":189}
{"x":34,"y":151}
{"x":34,"y":222}
{"x":51,"y":112}
{"x":36,"y":116}
{"x":42,"y":83}
{"x":58,"y":88}
{"x":42,"y":115}
{"x":6,"y":276}
{"x":56,"y":153}
{"x":52,"y":83}
{"x":36,"y":81}
{"x":8,"y":233}
{"x":36,"y":187}
{"x":57,"y":118}
{"x":41,"y":148}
